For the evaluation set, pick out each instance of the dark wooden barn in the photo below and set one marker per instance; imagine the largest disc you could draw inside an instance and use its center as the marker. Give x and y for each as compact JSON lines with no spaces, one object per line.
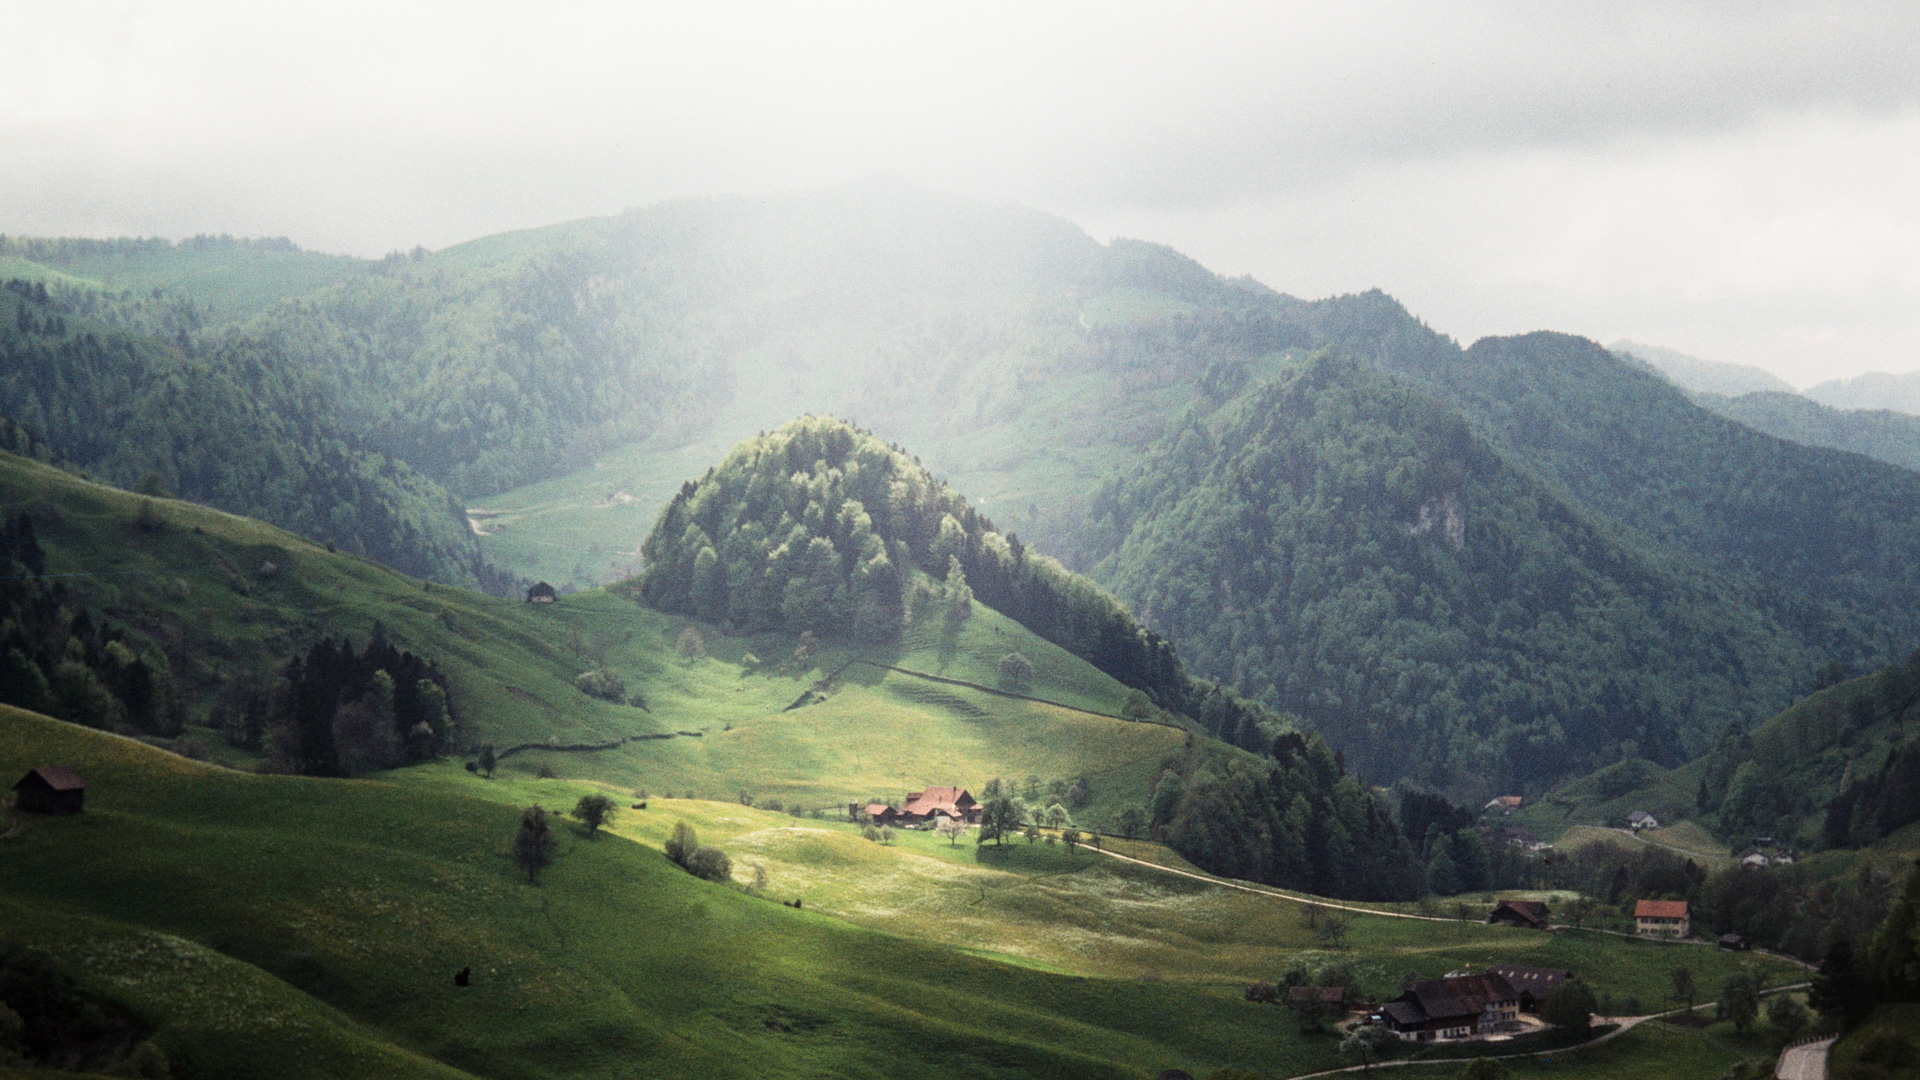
{"x":51,"y":789}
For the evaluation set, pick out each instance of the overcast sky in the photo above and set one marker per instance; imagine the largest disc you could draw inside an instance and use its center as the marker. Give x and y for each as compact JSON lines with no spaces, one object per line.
{"x":1740,"y":181}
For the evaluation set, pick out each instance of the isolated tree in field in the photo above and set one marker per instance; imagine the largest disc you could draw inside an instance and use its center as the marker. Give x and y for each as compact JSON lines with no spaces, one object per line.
{"x":593,"y":811}
{"x":1577,"y":912}
{"x":1072,"y":838}
{"x":1057,"y":817}
{"x":1683,"y":986}
{"x":534,"y":844}
{"x":1740,"y":1001}
{"x":1132,"y":822}
{"x":1016,"y":672}
{"x":951,"y":829}
{"x":1569,"y":1008}
{"x":1333,"y":929}
{"x":487,"y":761}
{"x":1787,"y":1017}
{"x":1367,"y":1043}
{"x":683,"y":843}
{"x":1032,"y":833}
{"x":1310,"y":915}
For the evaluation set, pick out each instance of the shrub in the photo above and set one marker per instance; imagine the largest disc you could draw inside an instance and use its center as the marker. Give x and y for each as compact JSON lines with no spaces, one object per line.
{"x":710,"y":864}
{"x":683,"y":843}
{"x":601,"y":683}
{"x":1016,"y":671}
{"x":1263,"y":992}
{"x":692,"y":643}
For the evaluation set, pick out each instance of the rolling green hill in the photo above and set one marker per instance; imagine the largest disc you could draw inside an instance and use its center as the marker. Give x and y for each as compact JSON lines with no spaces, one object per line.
{"x":281,"y":926}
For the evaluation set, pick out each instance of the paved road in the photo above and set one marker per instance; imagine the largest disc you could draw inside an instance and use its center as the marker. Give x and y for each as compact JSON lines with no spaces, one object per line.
{"x":1808,"y":1062}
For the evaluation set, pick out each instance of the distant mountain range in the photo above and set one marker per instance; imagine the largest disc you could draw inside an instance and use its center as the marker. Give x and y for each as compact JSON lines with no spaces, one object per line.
{"x":1482,"y":567}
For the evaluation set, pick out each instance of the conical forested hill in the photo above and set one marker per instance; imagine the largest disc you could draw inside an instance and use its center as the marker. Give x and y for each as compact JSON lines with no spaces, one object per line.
{"x":820,"y":526}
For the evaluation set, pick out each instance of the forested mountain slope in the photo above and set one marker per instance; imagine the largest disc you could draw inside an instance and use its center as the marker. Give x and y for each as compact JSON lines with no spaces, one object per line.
{"x":1699,"y":376}
{"x":1881,"y":434}
{"x":229,"y":425}
{"x":1353,"y":549}
{"x":1874,"y":390}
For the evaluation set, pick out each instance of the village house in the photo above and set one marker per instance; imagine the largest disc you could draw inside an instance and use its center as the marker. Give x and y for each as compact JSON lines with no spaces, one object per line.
{"x":1456,"y":1007}
{"x":1662,"y":918}
{"x":542,"y":593}
{"x":1529,"y":914}
{"x":1506,"y":804}
{"x":51,"y":789}
{"x":1533,"y":984}
{"x":1640,"y":819}
{"x":951,"y":803}
{"x":1754,"y":861}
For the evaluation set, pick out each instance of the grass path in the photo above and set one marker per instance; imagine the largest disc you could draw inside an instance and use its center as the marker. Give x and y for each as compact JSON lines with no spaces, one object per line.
{"x":1625,"y":1024}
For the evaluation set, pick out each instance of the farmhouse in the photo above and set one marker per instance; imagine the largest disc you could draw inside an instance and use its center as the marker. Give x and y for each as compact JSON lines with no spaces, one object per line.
{"x":939,"y":802}
{"x":1533,"y":984}
{"x":1754,"y":861}
{"x":1456,"y":1007}
{"x":878,"y":812}
{"x":1662,"y":918}
{"x":542,"y":593}
{"x":1640,"y":819}
{"x":1506,"y":804}
{"x":1530,"y":914}
{"x":51,"y":789}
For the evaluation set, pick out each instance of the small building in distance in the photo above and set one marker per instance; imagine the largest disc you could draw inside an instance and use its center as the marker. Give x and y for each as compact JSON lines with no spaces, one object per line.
{"x":1506,"y":804}
{"x":1530,"y":914}
{"x":877,"y":812}
{"x":1662,"y":918}
{"x":1333,"y":997}
{"x":939,"y":802}
{"x":1640,"y":819}
{"x":1735,"y":942}
{"x":1456,"y":1007}
{"x":542,"y":593}
{"x":1754,"y":861}
{"x":1533,"y":984}
{"x":51,"y":789}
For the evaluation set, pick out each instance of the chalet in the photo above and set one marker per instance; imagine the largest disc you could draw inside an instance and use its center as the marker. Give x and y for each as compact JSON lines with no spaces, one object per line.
{"x":1735,"y":942}
{"x":951,"y":803}
{"x":1662,"y":918}
{"x":51,"y":789}
{"x":1533,"y":984}
{"x":1456,"y":1007}
{"x":881,"y":814}
{"x":1530,"y":914}
{"x":542,"y":593}
{"x":1640,"y":819}
{"x":1506,"y":804}
{"x":1754,"y":861}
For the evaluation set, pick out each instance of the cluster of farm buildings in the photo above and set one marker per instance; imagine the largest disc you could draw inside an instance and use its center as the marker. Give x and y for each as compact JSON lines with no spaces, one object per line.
{"x":921,"y":808}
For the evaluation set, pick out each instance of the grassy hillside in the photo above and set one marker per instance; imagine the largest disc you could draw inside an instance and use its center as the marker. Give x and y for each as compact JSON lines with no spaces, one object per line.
{"x":277,"y":926}
{"x":283,"y":926}
{"x":199,"y":588}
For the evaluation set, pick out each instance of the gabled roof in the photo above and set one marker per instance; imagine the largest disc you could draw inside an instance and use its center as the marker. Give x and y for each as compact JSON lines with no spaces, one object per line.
{"x":941,"y":800}
{"x":1459,"y":996}
{"x":1531,"y":910}
{"x":876,"y":809}
{"x":57,"y":777}
{"x":1537,"y":981}
{"x":1660,"y":909}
